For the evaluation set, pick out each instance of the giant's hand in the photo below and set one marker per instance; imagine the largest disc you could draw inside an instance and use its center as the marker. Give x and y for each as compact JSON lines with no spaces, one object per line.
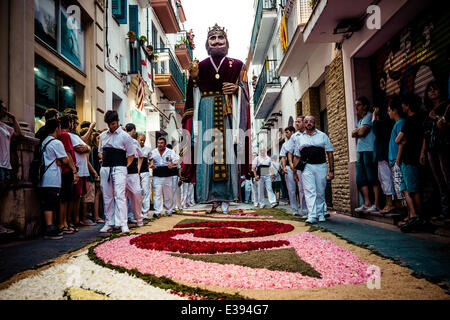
{"x":193,"y":69}
{"x":229,"y":88}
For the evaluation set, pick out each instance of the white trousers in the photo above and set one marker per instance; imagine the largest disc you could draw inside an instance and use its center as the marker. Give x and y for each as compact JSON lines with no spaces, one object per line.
{"x":225,"y":205}
{"x":291,"y":186}
{"x":248,"y":189}
{"x":191,"y":199}
{"x":385,"y":177}
{"x":255,"y":192}
{"x":113,"y":183}
{"x":146,"y":191}
{"x":176,"y":193}
{"x":163,"y":188}
{"x":314,"y":178}
{"x":301,"y":193}
{"x":265,"y":181}
{"x":134,"y":195}
{"x":184,"y":194}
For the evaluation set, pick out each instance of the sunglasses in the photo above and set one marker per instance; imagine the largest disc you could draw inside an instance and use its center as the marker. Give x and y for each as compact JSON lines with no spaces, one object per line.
{"x":309,"y":121}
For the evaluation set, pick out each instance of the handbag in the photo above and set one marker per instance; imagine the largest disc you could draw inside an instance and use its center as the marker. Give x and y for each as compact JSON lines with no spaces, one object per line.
{"x":301,"y":165}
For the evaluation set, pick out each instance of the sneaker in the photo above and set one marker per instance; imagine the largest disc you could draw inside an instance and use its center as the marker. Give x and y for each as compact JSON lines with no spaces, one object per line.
{"x":311,"y":220}
{"x":373,"y":209}
{"x":327,"y":215}
{"x":361,"y":209}
{"x":4,"y":230}
{"x":124,"y":229}
{"x":262,"y":206}
{"x":274,"y":205}
{"x":52,"y":233}
{"x":169,"y":214}
{"x":106,"y":229}
{"x":155,"y":215}
{"x":140,"y":224}
{"x":322,"y":219}
{"x":132,"y":221}
{"x":304,"y":216}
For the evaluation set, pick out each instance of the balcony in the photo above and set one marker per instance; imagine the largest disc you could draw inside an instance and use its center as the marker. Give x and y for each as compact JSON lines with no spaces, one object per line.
{"x":168,"y":77}
{"x":165,"y":10}
{"x":267,"y":90}
{"x":183,"y":50}
{"x":263,"y":26}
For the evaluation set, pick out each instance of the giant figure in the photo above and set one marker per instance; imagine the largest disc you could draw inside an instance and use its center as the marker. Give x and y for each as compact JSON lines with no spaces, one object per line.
{"x":217,"y":116}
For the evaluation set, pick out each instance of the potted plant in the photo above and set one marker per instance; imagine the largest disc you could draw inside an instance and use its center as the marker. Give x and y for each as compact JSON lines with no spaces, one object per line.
{"x":142,"y":40}
{"x":131,"y":36}
{"x":149,"y":50}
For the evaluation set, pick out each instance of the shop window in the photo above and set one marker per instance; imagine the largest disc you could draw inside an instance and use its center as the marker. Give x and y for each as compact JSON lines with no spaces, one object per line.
{"x":53,"y":89}
{"x":57,"y":27}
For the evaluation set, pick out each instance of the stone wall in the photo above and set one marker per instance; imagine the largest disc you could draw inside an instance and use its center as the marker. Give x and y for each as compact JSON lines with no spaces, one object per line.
{"x":337,"y":129}
{"x":311,"y":104}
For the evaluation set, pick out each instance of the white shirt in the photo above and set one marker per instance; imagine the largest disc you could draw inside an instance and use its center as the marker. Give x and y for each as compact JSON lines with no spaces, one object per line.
{"x":165,"y":159}
{"x":265,"y":161}
{"x":81,"y":158}
{"x":119,"y":139}
{"x":6,"y":133}
{"x":138,"y":149}
{"x":146,"y":152}
{"x":290,"y":144}
{"x":283,"y":151}
{"x":317,"y":139}
{"x":54,"y":150}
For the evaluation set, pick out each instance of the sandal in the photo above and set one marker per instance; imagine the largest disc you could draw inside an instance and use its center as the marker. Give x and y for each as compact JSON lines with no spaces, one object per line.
{"x":73,"y":228}
{"x":99,"y":220}
{"x":387,"y":210}
{"x":402,"y":222}
{"x":66,"y":230}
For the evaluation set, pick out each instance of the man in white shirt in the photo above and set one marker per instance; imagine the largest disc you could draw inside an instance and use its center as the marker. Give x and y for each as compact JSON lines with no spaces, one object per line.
{"x":117,"y":150}
{"x":300,"y":125}
{"x":311,"y":147}
{"x":55,"y":156}
{"x":6,"y":133}
{"x":81,"y":158}
{"x":134,"y":190}
{"x":145,"y":175}
{"x":291,"y":185}
{"x":175,"y":185}
{"x":255,"y":197}
{"x":163,"y":160}
{"x":261,"y":169}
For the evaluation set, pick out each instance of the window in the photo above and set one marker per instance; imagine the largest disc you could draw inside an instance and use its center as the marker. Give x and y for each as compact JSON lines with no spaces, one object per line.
{"x":53,"y":89}
{"x":119,"y":10}
{"x":56,"y":26}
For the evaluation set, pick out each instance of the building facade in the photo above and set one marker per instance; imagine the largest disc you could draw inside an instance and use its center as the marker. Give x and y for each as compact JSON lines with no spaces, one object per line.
{"x":336,"y":51}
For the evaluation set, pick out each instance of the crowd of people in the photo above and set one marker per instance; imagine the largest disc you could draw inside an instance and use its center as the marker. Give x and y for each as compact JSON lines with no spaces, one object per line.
{"x":396,"y":151}
{"x":303,"y":167}
{"x":90,"y":177}
{"x":115,"y":177}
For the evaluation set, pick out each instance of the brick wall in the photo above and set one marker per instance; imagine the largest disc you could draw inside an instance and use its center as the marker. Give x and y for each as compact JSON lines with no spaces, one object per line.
{"x":337,"y":129}
{"x":311,"y":104}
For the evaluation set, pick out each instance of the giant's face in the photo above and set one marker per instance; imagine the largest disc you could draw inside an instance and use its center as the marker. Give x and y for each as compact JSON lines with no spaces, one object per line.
{"x":217,"y":44}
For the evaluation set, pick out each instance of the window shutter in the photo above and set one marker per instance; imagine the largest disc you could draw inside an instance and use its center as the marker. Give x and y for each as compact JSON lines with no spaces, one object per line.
{"x":135,"y":54}
{"x":119,"y":10}
{"x":116,"y":7}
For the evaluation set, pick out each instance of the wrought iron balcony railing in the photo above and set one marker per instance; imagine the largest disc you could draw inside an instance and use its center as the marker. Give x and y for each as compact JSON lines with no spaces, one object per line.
{"x":268,"y":76}
{"x":174,"y":70}
{"x":262,"y":5}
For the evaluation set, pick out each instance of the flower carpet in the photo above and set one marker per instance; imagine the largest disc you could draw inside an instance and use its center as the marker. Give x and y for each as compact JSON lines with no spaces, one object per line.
{"x":222,"y":257}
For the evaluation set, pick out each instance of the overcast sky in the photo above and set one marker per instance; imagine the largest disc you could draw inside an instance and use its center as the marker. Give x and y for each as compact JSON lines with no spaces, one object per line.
{"x":235,"y":15}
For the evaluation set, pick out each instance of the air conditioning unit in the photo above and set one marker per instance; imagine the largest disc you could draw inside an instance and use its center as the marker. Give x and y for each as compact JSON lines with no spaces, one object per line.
{"x":123,"y":65}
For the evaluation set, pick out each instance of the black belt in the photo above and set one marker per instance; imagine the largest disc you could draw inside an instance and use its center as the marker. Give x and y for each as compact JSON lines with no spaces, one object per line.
{"x":162,"y":171}
{"x":313,"y":155}
{"x":133,"y":167}
{"x":144,"y":165}
{"x":113,"y":157}
{"x":258,"y":168}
